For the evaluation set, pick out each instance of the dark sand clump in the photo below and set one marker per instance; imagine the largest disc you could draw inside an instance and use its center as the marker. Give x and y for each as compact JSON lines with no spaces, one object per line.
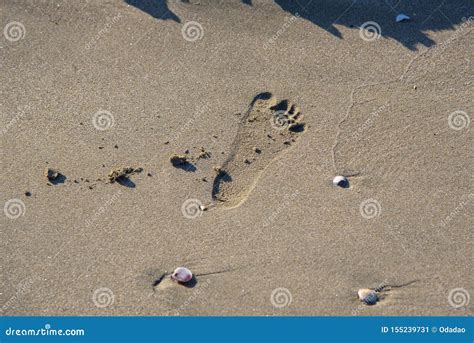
{"x":179,"y":160}
{"x":54,"y":176}
{"x":120,"y":174}
{"x":51,"y":174}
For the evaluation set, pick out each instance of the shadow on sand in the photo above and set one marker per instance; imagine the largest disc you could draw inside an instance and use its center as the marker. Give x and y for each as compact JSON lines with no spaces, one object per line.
{"x":156,"y":8}
{"x":433,"y":15}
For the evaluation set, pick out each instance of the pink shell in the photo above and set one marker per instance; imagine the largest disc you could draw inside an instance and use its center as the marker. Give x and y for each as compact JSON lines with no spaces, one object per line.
{"x":182,"y":274}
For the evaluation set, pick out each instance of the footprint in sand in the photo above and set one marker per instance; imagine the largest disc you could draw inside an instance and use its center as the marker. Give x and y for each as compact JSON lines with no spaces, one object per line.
{"x":267,"y":129}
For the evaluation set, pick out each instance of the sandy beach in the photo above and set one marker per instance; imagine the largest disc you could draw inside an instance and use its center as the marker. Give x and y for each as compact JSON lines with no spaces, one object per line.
{"x":262,"y":103}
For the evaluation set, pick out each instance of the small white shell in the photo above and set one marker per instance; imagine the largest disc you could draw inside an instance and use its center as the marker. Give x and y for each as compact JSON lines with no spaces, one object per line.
{"x":182,"y":274}
{"x":368,"y":296}
{"x":340,"y":181}
{"x":402,"y":17}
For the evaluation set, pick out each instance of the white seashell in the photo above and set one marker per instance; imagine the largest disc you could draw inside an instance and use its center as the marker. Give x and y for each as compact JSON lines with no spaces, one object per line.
{"x":402,"y":17}
{"x":340,"y":181}
{"x":368,"y":296}
{"x":182,"y":274}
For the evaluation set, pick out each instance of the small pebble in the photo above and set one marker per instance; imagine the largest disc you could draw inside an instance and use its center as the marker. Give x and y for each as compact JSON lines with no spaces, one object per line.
{"x":368,"y":296}
{"x":52,"y":174}
{"x":340,"y":181}
{"x":182,"y":274}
